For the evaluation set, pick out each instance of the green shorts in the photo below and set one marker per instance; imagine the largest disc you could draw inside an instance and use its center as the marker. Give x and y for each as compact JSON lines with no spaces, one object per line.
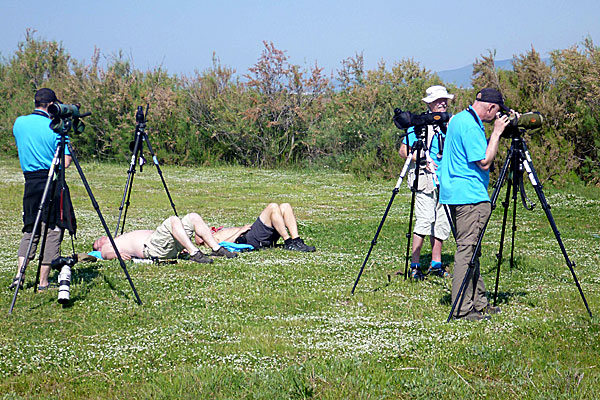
{"x":162,"y":244}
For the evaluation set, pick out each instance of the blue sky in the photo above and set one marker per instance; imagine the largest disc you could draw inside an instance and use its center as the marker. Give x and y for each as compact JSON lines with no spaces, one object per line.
{"x":181,"y":36}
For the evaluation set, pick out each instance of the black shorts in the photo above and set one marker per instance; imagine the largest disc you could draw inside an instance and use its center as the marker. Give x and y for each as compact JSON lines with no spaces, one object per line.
{"x":259,"y":235}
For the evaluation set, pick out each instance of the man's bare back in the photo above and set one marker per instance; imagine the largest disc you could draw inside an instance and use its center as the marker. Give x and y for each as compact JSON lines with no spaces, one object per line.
{"x":130,"y":244}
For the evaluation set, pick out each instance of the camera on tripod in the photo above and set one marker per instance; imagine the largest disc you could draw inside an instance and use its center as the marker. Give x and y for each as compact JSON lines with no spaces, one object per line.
{"x":516,"y":126}
{"x":64,"y":264}
{"x":406,"y":119}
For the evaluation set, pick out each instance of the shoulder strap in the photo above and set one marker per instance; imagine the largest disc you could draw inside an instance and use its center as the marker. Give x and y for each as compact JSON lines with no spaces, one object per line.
{"x":42,"y":113}
{"x":472,"y":112}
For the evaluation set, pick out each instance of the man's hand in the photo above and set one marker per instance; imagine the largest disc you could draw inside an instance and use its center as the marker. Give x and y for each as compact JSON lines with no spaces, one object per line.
{"x":431,"y":166}
{"x":500,"y":124}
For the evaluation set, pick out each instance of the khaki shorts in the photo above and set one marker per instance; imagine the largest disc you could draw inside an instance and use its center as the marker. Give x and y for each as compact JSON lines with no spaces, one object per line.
{"x":51,"y":248}
{"x":162,"y":244}
{"x":431,"y":219}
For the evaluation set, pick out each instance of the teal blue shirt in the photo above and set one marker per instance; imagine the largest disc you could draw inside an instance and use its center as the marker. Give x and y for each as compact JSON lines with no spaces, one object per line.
{"x":462,"y":181}
{"x":36,"y":142}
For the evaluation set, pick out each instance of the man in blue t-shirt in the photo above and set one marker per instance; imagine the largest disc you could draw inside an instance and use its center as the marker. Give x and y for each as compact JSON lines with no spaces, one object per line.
{"x":37,"y":145}
{"x":430,"y":216}
{"x":464,"y":177}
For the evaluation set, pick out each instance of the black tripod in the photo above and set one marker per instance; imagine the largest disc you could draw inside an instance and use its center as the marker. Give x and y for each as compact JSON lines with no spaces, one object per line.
{"x":517,"y":162}
{"x":419,"y":148}
{"x":65,"y":117}
{"x":136,"y":147}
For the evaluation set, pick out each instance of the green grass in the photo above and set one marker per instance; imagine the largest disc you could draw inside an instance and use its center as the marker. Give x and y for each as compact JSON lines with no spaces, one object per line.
{"x":275,"y":324}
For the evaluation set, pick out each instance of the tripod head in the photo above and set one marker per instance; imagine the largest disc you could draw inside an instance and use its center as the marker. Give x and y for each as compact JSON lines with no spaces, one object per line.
{"x":140,"y":128}
{"x":140,"y":118}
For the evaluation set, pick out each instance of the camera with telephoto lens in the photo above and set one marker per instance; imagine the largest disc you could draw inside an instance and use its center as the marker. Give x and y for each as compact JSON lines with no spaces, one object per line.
{"x":406,"y":119}
{"x":516,"y":126}
{"x":64,"y":264}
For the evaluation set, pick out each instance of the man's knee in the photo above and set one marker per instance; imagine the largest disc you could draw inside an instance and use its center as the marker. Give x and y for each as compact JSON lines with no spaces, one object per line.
{"x":273,"y":208}
{"x":195,"y":219}
{"x":285,"y":207}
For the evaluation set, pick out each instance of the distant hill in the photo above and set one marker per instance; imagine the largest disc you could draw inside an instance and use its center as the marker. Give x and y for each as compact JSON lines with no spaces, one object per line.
{"x":462,"y":76}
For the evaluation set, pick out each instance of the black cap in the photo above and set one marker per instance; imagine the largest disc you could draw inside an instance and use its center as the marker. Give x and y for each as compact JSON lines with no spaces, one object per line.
{"x":491,"y":95}
{"x":45,"y":96}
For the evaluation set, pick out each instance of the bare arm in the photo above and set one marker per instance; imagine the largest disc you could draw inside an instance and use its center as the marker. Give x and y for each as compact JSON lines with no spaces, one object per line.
{"x":404,"y":152}
{"x":108,"y":253}
{"x":492,"y":148}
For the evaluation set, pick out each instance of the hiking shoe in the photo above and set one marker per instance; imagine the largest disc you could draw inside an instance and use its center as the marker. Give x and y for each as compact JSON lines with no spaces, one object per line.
{"x":223,"y":252}
{"x":491,"y":310}
{"x":476,"y":316}
{"x":200,"y":257}
{"x":441,"y":272}
{"x":297,"y":244}
{"x":416,"y":274}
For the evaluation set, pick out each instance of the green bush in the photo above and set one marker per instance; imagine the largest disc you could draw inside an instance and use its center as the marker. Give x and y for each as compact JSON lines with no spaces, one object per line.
{"x":280,"y":114}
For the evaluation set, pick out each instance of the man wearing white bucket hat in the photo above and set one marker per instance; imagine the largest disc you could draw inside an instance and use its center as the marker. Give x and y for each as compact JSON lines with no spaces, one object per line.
{"x":431,"y":218}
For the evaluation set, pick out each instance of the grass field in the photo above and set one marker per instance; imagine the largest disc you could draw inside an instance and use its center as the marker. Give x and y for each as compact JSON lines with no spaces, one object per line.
{"x":275,"y":324}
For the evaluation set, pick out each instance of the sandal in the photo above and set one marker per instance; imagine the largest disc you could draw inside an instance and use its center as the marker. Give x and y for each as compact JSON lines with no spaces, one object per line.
{"x":16,"y":281}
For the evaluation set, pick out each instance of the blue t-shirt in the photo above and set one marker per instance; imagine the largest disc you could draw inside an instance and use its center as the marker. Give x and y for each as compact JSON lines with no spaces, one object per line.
{"x":462,"y":181}
{"x":36,"y":142}
{"x":434,"y":147}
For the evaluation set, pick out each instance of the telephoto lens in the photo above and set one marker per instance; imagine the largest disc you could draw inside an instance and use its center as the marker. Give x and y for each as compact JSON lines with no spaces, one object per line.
{"x":64,"y":285}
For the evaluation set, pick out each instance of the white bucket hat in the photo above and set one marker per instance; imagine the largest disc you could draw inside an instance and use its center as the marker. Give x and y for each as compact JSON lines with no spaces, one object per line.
{"x":436,"y":92}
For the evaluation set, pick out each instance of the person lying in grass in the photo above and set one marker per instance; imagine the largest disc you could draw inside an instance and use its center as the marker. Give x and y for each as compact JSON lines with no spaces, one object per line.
{"x":167,"y":241}
{"x":274,"y":222}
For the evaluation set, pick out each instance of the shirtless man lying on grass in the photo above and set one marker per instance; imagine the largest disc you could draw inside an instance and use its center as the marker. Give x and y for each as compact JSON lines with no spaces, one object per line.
{"x":167,"y":241}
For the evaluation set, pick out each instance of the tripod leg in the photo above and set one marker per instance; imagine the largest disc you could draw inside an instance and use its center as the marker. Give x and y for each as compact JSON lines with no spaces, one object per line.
{"x":527,"y":163}
{"x":42,"y":249}
{"x":409,"y":232}
{"x":102,"y":221}
{"x":450,"y":222}
{"x":505,"y":205}
{"x":417,"y":150}
{"x":155,"y":160}
{"x":130,"y":175}
{"x":518,"y":178}
{"x":374,"y":241}
{"x":127,"y":203}
{"x":36,"y":225}
{"x":461,"y":292}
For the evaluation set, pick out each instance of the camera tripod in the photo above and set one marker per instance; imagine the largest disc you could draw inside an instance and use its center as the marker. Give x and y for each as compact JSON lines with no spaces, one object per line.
{"x":518,"y":161}
{"x":136,"y":147}
{"x":61,"y":125}
{"x":419,"y":148}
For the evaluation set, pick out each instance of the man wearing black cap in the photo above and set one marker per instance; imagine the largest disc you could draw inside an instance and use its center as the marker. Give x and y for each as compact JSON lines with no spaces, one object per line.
{"x":37,"y":144}
{"x":464,"y":178}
